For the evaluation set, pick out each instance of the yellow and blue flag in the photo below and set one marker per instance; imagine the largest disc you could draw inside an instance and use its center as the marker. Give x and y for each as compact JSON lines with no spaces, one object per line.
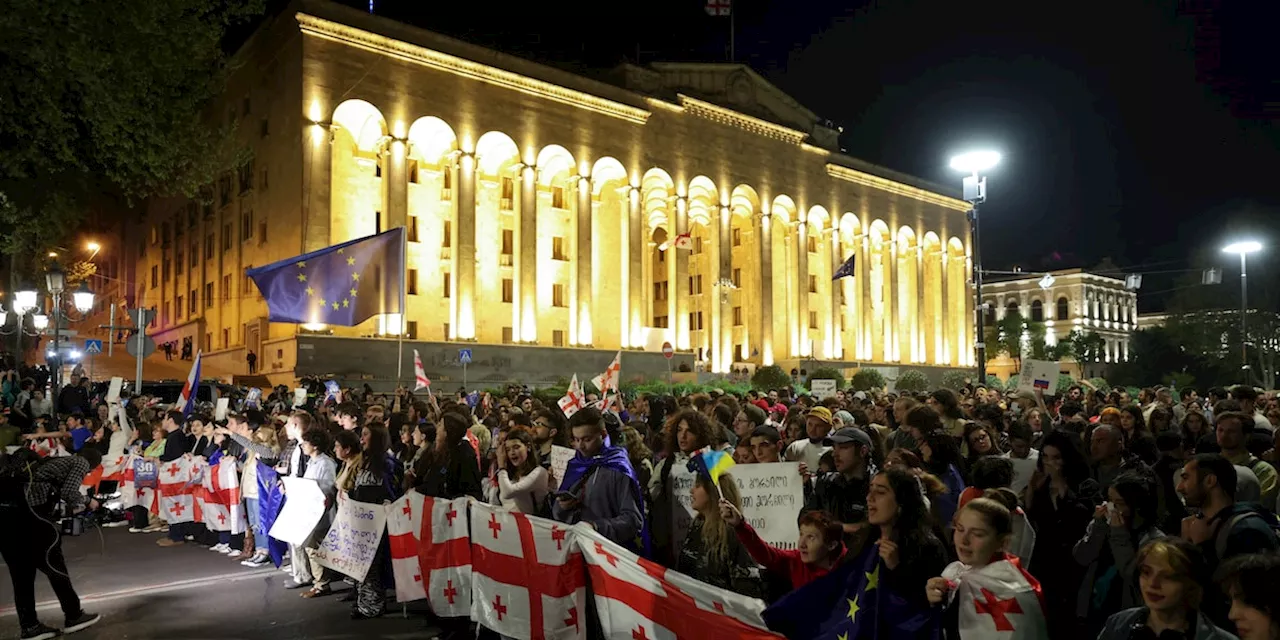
{"x":343,"y":285}
{"x":855,"y":601}
{"x":711,"y":464}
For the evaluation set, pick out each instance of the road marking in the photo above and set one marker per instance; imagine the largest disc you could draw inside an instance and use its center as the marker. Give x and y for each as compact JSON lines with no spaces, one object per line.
{"x":164,"y":587}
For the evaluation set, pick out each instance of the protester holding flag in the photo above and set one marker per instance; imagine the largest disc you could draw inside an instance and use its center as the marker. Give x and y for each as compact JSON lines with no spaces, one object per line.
{"x":819,"y":548}
{"x":880,"y":593}
{"x":711,"y":552}
{"x":986,"y":593}
{"x":176,"y":444}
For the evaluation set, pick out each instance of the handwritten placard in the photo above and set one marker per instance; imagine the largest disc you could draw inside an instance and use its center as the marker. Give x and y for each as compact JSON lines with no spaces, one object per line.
{"x":303,"y":507}
{"x":772,"y":496}
{"x":560,"y":457}
{"x":353,"y":539}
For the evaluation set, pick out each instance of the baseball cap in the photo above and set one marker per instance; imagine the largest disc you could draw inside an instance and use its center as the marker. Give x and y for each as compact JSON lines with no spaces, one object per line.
{"x":848,"y":435}
{"x":861,"y":395}
{"x":820,"y":412}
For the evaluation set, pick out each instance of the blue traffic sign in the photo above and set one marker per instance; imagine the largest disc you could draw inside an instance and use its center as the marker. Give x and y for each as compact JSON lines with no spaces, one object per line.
{"x":93,"y":346}
{"x":464,"y":356}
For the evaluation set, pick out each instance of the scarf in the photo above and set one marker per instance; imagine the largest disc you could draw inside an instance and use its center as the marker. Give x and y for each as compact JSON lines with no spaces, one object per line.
{"x":614,"y":458}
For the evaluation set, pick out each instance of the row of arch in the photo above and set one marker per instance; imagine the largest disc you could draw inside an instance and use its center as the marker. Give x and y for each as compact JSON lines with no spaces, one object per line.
{"x":589,"y":253}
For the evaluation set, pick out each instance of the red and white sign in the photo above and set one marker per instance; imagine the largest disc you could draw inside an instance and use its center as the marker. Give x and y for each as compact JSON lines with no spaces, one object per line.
{"x":668,"y":351}
{"x":422,"y":382}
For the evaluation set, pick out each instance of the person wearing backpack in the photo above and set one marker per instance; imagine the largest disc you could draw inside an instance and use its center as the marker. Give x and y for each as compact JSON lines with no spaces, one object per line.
{"x":1233,"y":429}
{"x":1220,"y":526}
{"x":31,"y":540}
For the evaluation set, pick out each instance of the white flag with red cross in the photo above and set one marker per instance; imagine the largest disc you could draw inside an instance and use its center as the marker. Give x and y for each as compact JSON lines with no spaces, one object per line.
{"x":177,"y":492}
{"x":574,"y":400}
{"x":529,"y":581}
{"x":684,"y":240}
{"x":404,"y":522}
{"x":220,"y":506}
{"x":612,"y":376}
{"x":419,"y":374}
{"x":1000,"y":600}
{"x":444,"y":556}
{"x":637,"y":599}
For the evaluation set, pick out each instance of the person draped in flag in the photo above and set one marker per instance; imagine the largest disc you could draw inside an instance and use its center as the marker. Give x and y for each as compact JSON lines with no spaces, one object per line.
{"x":880,"y":592}
{"x":176,"y":445}
{"x":600,"y":487}
{"x":986,"y":593}
{"x":711,"y":552}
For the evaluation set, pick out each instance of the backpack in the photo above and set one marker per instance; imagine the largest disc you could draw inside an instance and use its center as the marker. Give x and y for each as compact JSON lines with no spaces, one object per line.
{"x":1224,"y":530}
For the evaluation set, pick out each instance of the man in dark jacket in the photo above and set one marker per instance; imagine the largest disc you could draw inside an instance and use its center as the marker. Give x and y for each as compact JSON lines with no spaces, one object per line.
{"x":1222,"y":527}
{"x":599,"y":487}
{"x":31,"y":540}
{"x":176,"y":445}
{"x":843,"y":493}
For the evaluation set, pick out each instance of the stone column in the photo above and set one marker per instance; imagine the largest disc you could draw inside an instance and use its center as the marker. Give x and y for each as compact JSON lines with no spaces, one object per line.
{"x":464,"y":250}
{"x":636,"y":294}
{"x":766,"y":290}
{"x":722,"y":332}
{"x":944,"y":310}
{"x":681,"y":286}
{"x":893,"y":344}
{"x":317,"y":176}
{"x":866,"y":323}
{"x":835,"y":333}
{"x":396,"y":185}
{"x":527,"y":255}
{"x":805,"y":344}
{"x":582,"y":308}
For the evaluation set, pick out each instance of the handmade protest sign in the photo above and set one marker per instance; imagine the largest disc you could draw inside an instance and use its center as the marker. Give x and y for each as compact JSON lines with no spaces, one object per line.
{"x":303,"y":507}
{"x":353,"y":539}
{"x":772,"y":495}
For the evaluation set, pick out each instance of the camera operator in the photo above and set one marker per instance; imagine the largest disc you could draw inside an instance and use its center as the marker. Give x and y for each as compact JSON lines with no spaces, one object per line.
{"x":30,"y":539}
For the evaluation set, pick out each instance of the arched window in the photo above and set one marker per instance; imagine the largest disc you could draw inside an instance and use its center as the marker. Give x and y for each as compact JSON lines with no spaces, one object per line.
{"x":990,"y":316}
{"x":1063,"y":308}
{"x":1011,"y":308}
{"x":1037,"y":311}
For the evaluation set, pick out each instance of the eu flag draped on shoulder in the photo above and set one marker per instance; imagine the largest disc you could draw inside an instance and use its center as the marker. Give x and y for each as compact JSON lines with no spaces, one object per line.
{"x":343,"y":285}
{"x":853,"y":602}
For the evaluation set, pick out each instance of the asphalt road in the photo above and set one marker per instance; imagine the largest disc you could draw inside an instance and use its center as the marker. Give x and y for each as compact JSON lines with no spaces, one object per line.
{"x":190,"y":593}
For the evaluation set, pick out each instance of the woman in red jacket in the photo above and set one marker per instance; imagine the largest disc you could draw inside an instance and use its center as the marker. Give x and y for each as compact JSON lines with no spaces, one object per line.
{"x":819,"y":547}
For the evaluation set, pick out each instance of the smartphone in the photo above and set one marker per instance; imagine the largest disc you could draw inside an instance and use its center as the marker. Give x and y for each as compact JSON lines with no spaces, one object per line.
{"x":565,"y":495}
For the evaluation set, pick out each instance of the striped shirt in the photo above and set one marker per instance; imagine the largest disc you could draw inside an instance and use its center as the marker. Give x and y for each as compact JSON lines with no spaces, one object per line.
{"x":60,"y":477}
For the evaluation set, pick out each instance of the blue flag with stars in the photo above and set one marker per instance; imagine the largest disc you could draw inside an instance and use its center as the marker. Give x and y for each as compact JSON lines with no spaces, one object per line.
{"x":846,"y":269}
{"x":853,"y":602}
{"x":343,"y":285}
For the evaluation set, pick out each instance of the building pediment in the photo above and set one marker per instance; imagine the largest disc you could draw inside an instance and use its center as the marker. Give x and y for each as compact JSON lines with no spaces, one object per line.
{"x":733,"y":86}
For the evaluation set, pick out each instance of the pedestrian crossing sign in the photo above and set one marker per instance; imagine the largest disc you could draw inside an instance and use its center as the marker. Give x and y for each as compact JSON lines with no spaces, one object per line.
{"x":93,"y":346}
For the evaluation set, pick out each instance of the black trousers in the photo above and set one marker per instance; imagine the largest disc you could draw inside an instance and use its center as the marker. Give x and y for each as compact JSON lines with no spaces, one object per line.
{"x":29,"y":544}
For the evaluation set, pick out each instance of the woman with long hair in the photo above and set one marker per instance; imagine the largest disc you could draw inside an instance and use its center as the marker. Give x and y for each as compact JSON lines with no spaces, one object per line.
{"x":1108,"y":550}
{"x":711,"y":552}
{"x":1059,"y":500}
{"x":372,"y":485}
{"x":1249,"y":581}
{"x":449,"y":469}
{"x":1171,"y":575}
{"x":1195,"y":427}
{"x":688,"y":431}
{"x":945,"y":402}
{"x":522,"y":482}
{"x":941,"y":457}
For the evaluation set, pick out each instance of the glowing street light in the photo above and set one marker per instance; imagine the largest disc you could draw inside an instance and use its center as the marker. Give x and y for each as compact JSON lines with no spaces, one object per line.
{"x":975,"y":192}
{"x":93,"y":248}
{"x":1244,"y":248}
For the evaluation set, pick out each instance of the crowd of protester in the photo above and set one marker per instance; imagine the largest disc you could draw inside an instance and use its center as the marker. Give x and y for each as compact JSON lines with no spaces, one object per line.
{"x":1143,"y":517}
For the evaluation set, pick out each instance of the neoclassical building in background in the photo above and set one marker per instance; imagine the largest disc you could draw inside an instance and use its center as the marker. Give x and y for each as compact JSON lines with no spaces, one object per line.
{"x":543,"y":210}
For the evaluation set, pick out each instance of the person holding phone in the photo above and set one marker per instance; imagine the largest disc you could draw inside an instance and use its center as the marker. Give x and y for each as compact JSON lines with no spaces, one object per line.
{"x":600,"y":486}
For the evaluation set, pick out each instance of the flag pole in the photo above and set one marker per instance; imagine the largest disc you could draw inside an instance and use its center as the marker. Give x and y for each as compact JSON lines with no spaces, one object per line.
{"x":732,"y":30}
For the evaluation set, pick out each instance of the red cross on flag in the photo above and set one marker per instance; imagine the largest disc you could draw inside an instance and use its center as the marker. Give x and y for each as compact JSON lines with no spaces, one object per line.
{"x":404,"y":522}
{"x":636,"y":598}
{"x":177,"y":492}
{"x":573,"y":400}
{"x":445,"y":557}
{"x":219,"y":498}
{"x":131,"y":495}
{"x":608,"y":381}
{"x":1000,"y":600}
{"x":419,"y":374}
{"x":684,"y":240}
{"x":529,"y":578}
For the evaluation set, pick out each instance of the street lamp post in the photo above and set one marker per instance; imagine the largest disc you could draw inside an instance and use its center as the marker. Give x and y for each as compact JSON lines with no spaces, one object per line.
{"x":975,"y":192}
{"x":1244,"y":248}
{"x":82,"y":298}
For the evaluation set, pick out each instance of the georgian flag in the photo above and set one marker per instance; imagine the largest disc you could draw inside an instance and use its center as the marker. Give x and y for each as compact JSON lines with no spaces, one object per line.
{"x":419,"y":374}
{"x":444,"y":555}
{"x":573,"y":400}
{"x":608,"y":381}
{"x":177,"y":493}
{"x":684,"y":240}
{"x":1000,"y":600}
{"x":528,"y":577}
{"x":220,"y":504}
{"x":636,"y":598}
{"x":404,"y":522}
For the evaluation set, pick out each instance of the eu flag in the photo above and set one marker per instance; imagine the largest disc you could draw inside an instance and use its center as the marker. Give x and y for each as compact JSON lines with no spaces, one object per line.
{"x":845,"y":269}
{"x":343,"y":285}
{"x":855,"y":601}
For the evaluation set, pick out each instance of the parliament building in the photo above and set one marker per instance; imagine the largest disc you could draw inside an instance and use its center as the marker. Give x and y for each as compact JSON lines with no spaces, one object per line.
{"x":550,"y":217}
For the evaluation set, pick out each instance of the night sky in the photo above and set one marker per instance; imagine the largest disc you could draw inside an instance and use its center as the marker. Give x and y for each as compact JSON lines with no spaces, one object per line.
{"x":1144,"y":131}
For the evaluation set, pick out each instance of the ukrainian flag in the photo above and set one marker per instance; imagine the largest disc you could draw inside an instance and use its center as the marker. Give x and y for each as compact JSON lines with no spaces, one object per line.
{"x":711,"y":464}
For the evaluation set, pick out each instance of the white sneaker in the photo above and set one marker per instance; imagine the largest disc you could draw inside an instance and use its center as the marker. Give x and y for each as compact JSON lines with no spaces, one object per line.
{"x":231,"y":551}
{"x":117,"y":523}
{"x":136,"y":530}
{"x":220,"y":548}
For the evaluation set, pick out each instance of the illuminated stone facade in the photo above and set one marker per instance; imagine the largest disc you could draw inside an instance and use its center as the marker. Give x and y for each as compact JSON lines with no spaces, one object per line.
{"x":543,"y":208}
